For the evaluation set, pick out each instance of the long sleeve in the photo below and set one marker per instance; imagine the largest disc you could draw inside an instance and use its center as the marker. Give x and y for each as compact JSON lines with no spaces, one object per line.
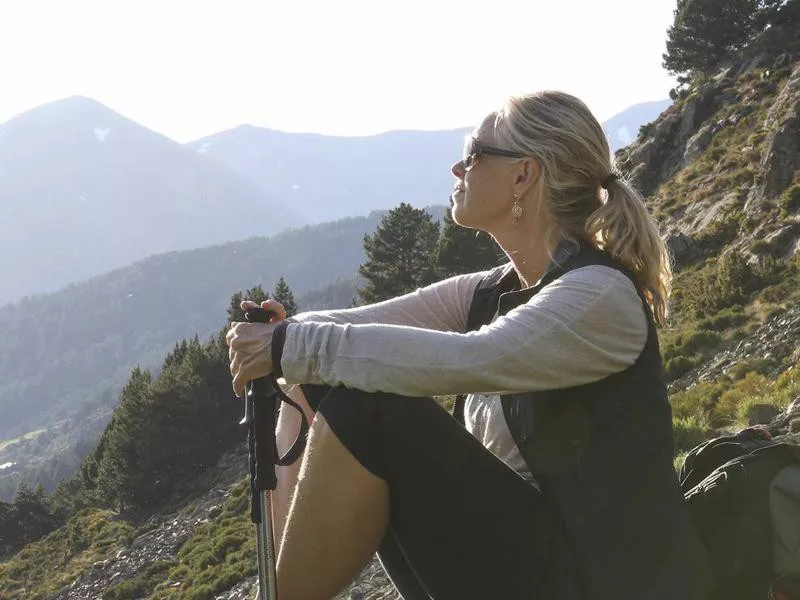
{"x":582,"y":327}
{"x":442,"y":306}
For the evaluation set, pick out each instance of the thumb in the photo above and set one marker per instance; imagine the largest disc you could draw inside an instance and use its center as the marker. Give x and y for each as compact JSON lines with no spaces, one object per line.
{"x":275,"y":307}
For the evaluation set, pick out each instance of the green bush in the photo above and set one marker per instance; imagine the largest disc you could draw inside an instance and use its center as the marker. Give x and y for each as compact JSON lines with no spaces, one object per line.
{"x":679,"y":366}
{"x":697,"y":401}
{"x":726,"y":410}
{"x":700,"y":340}
{"x":725,"y":319}
{"x":721,"y":285}
{"x":762,"y":366}
{"x":790,"y":199}
{"x":744,"y":408}
{"x":761,"y":247}
{"x":140,"y":585}
{"x":687,"y":432}
{"x":201,"y":592}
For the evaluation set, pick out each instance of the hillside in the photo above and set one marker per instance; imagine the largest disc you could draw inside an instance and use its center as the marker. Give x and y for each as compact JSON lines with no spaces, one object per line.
{"x":58,"y":389}
{"x":720,"y":168}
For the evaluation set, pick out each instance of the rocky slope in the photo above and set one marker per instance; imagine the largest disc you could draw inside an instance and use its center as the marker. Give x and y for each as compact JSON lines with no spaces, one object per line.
{"x":166,"y":533}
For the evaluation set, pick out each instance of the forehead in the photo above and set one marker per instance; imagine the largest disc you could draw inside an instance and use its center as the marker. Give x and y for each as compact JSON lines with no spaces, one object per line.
{"x":485,"y":130}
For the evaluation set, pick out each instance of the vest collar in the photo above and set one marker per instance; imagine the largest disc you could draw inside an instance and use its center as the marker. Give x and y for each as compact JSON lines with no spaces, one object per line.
{"x":509,"y":285}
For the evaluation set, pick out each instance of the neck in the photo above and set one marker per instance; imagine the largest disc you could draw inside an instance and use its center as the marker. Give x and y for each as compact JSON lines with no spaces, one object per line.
{"x":527,"y":251}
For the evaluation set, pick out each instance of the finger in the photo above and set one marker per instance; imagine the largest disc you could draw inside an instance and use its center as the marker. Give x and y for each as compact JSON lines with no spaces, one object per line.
{"x":276,"y":307}
{"x":248,"y":305}
{"x":238,"y":387}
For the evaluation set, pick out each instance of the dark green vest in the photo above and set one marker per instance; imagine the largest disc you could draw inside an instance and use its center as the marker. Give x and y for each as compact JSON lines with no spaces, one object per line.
{"x":602,"y":456}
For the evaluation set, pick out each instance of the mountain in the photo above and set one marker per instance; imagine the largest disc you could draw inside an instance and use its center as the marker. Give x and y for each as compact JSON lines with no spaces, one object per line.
{"x":331,"y":177}
{"x":623,"y":128}
{"x":84,"y":190}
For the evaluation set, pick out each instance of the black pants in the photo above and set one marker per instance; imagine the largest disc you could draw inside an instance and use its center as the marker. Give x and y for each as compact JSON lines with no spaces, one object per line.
{"x":462,"y":523}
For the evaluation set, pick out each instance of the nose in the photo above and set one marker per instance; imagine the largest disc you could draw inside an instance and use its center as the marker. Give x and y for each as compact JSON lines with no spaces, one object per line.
{"x":458,"y":169}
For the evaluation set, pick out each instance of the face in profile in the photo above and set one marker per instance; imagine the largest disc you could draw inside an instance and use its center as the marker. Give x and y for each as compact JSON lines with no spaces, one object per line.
{"x":482,"y":193}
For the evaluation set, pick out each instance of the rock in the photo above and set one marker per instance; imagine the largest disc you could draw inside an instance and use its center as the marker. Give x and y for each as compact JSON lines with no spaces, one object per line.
{"x":782,"y":60}
{"x":782,"y":240}
{"x":794,"y":425}
{"x":782,"y":156}
{"x":680,"y":246}
{"x":762,"y":414}
{"x":697,"y":143}
{"x":794,"y":408}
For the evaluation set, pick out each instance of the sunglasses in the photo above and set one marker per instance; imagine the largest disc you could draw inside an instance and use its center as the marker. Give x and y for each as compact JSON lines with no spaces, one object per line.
{"x":474,"y":148}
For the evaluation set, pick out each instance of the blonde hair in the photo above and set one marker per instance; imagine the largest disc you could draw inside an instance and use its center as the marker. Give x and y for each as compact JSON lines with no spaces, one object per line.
{"x":560,"y":132}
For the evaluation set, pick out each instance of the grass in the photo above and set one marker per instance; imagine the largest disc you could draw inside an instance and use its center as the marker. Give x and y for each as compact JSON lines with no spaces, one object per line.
{"x":217,"y":556}
{"x":28,"y":436}
{"x":726,"y":402}
{"x":44,"y":567}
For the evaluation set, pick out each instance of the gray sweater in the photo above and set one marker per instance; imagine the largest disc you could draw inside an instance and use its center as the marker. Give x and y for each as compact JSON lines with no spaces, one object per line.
{"x":584,"y":326}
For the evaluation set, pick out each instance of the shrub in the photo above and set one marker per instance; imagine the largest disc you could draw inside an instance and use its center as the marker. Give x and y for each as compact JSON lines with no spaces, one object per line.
{"x":687,"y":432}
{"x":140,"y":585}
{"x":646,"y":129}
{"x":762,"y":366}
{"x":726,"y":410}
{"x":789,"y":201}
{"x":725,"y":319}
{"x":743,"y":410}
{"x":696,"y":401}
{"x":760,"y":247}
{"x":679,"y":366}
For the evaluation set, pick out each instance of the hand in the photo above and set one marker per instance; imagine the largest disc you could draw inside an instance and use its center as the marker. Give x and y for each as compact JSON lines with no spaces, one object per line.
{"x":250,"y":346}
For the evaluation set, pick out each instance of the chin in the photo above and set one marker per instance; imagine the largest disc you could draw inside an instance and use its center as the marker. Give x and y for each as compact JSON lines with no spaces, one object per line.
{"x":462,"y":219}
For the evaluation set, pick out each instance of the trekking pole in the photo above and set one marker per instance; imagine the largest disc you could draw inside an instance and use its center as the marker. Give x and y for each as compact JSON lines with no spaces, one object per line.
{"x":261,"y":405}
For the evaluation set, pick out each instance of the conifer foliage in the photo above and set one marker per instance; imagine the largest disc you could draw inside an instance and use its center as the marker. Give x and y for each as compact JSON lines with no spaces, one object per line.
{"x":284,"y":295}
{"x":27,"y":518}
{"x":400,"y":254}
{"x":461,"y":250}
{"x":705,"y":32}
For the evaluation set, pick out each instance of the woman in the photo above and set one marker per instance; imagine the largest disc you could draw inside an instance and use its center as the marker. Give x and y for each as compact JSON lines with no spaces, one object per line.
{"x":560,"y":484}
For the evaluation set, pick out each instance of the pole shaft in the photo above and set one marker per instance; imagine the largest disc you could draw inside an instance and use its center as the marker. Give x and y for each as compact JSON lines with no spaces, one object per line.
{"x":265,"y":541}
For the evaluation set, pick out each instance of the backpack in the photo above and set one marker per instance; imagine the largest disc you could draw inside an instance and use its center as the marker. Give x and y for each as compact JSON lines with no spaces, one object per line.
{"x":743,"y":493}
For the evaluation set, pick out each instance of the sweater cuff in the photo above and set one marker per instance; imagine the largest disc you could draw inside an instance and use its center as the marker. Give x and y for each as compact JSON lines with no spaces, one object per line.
{"x":278,"y":339}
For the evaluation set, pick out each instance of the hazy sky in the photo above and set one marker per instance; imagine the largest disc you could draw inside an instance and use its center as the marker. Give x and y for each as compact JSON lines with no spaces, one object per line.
{"x":188,"y":69}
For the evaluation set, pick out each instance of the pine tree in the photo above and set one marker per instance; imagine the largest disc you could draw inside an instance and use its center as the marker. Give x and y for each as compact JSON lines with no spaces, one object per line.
{"x":400,"y":254}
{"x":284,"y":295}
{"x":461,"y":250}
{"x":235,"y":313}
{"x":705,"y":32}
{"x":119,"y":471}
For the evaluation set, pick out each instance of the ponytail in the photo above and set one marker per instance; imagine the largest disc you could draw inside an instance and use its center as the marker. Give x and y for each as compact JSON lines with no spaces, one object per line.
{"x":624,"y":228}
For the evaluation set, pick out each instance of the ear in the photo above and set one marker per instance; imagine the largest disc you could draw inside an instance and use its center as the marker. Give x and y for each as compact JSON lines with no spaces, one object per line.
{"x":527,"y":175}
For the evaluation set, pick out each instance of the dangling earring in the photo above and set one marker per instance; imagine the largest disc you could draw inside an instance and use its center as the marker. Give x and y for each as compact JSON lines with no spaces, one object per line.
{"x":516,"y":210}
